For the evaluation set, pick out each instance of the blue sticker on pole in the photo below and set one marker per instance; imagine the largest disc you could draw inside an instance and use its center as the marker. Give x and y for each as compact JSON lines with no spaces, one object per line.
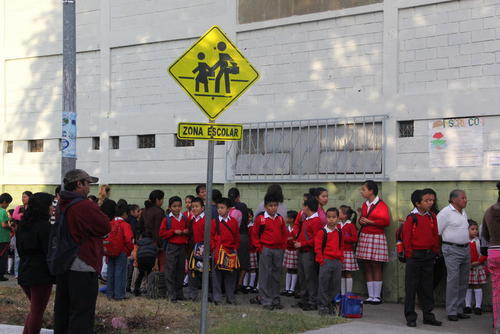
{"x":68,"y":139}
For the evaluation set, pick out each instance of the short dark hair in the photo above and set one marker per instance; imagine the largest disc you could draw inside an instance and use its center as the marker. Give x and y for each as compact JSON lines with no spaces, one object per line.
{"x":311,"y":203}
{"x":316,"y":191}
{"x":92,"y":198}
{"x":270,"y":198}
{"x":291,"y":214}
{"x":275,"y":189}
{"x":199,"y":187}
{"x":416,"y":196}
{"x":472,"y":222}
{"x":225,"y":201}
{"x":233,"y":194}
{"x":57,"y":190}
{"x":28,"y":193}
{"x":174,"y":199}
{"x":333,"y":210}
{"x":371,"y":185}
{"x":121,"y":208}
{"x":71,"y":186}
{"x":455,"y":193}
{"x":198,"y":200}
{"x":5,"y":198}
{"x":216,"y":195}
{"x":349,"y":212}
{"x":191,"y":197}
{"x":250,"y":212}
{"x":133,"y":207}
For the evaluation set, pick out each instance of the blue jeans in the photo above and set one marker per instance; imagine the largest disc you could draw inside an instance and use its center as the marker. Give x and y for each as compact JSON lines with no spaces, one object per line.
{"x":117,"y":276}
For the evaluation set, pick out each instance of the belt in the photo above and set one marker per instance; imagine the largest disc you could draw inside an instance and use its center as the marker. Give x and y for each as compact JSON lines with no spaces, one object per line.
{"x":422,"y":251}
{"x":456,"y":245}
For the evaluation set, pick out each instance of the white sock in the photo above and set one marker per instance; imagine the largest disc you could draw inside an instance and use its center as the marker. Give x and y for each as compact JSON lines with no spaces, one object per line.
{"x":377,"y":289}
{"x":288,"y":281}
{"x":468,"y":298}
{"x":342,"y":286}
{"x":9,"y":264}
{"x":186,"y":279}
{"x":371,"y":289}
{"x":246,"y":279}
{"x":252,"y":279}
{"x":478,"y":294}
{"x":257,"y":285}
{"x":348,"y":283}
{"x":294,"y":282}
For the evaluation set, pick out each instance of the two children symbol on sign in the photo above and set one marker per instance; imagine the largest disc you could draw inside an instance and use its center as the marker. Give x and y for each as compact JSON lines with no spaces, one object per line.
{"x":206,"y":71}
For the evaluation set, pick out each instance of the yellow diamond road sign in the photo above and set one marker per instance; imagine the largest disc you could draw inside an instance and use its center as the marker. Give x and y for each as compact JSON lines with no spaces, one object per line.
{"x":213,"y":72}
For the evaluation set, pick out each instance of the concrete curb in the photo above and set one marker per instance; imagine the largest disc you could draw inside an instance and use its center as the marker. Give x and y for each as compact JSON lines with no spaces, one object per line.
{"x":10,"y":329}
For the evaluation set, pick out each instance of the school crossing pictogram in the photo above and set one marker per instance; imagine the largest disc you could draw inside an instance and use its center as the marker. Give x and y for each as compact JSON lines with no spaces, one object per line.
{"x":213,"y":72}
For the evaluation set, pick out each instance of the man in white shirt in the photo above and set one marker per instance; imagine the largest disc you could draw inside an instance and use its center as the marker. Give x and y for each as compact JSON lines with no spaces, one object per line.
{"x":454,"y":230}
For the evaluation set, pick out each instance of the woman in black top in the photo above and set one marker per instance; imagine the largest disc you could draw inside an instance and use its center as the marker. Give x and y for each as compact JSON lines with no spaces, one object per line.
{"x":32,"y":242}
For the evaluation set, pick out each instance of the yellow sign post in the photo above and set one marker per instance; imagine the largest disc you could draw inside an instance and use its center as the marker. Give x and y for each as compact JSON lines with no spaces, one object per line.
{"x":209,"y":131}
{"x":213,"y":72}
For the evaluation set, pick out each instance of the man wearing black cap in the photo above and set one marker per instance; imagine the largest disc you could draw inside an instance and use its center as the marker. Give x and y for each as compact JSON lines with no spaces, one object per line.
{"x":76,"y":291}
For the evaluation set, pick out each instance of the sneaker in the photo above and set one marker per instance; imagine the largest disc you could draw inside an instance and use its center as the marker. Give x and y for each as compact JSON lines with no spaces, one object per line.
{"x":467,"y":310}
{"x":477,"y":311}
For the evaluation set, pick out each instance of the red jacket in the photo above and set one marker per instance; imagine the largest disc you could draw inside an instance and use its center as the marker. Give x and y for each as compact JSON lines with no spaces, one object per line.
{"x":310,"y":228}
{"x":475,"y":255}
{"x":87,"y":225}
{"x":269,"y":232}
{"x":422,"y":235}
{"x":169,"y":234}
{"x":349,"y":235}
{"x":252,"y":249}
{"x":197,"y":228}
{"x":297,"y":224}
{"x":229,"y":238}
{"x":128,"y":236}
{"x":333,"y":248}
{"x":379,"y":215}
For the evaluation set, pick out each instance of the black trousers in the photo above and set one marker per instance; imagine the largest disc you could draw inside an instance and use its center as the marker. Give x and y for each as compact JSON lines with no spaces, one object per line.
{"x":4,"y":247}
{"x":74,"y":309}
{"x":145,"y":266}
{"x":420,"y":280}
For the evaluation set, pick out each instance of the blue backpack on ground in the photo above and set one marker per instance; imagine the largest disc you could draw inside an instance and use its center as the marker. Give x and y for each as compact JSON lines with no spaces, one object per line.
{"x":350,"y":305}
{"x":62,"y":248}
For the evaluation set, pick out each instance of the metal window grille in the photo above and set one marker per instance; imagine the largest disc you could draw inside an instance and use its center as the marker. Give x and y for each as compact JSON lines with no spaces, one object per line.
{"x":309,"y":150}
{"x":115,"y":142}
{"x":35,"y":145}
{"x":96,"y":143}
{"x":405,"y":129}
{"x":146,"y":141}
{"x":9,"y":146}
{"x":183,"y":142}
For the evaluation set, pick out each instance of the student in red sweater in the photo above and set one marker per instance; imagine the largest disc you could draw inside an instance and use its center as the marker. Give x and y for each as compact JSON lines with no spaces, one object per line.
{"x":328,"y":247}
{"x":421,"y":245}
{"x":290,"y":257}
{"x":197,"y":233}
{"x":372,"y":244}
{"x":269,"y":237}
{"x":347,"y":225}
{"x":477,"y":275}
{"x":307,"y":266}
{"x":174,"y":229}
{"x":225,"y":234}
{"x":250,"y":277}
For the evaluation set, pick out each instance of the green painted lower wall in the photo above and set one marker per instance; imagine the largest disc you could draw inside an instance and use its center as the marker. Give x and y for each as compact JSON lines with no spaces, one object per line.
{"x":396,"y":194}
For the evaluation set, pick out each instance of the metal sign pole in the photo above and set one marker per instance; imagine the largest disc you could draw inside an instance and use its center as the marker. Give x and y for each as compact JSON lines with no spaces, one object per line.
{"x":206,"y":241}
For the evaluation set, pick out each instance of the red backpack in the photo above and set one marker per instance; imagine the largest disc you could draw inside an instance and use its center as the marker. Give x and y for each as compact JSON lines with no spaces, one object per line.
{"x":114,"y":243}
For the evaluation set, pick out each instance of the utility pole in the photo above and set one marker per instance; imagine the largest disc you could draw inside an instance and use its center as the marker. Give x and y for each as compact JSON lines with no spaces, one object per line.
{"x":68,"y":137}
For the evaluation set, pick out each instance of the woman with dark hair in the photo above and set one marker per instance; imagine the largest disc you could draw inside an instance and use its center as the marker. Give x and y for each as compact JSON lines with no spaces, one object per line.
{"x":20,"y":209}
{"x":275,"y":191}
{"x":372,"y":244}
{"x":107,"y":205}
{"x":17,"y":215}
{"x":32,"y":244}
{"x":491,"y":233}
{"x":151,"y":218}
{"x":321,"y":195}
{"x":243,"y":252}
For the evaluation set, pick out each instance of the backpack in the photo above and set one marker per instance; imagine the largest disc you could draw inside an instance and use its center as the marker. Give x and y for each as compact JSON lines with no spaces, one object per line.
{"x":325,"y":238}
{"x":400,"y":249}
{"x":351,"y":305}
{"x":62,"y":248}
{"x":156,"y":288}
{"x":164,"y":243}
{"x":114,"y":242}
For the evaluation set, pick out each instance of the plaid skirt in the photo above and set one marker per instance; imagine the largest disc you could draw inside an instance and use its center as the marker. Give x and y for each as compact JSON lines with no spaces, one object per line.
{"x":372,"y":247}
{"x":477,"y":275}
{"x":350,"y":263}
{"x":254,"y":264}
{"x":290,"y":259}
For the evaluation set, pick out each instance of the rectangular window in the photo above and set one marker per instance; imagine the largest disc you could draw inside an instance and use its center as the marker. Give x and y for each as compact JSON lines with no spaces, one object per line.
{"x":114,"y":142}
{"x":183,"y":142}
{"x":96,"y":143}
{"x":220,"y":142}
{"x":35,"y":145}
{"x":146,"y":141}
{"x":327,"y":149}
{"x":405,"y":129}
{"x":9,"y":146}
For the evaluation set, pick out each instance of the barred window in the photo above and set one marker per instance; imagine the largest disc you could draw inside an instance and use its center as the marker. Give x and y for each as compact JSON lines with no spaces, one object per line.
{"x":308,"y":150}
{"x":96,"y":143}
{"x":114,"y":142}
{"x":9,"y":146}
{"x":183,"y":142}
{"x":146,"y":141}
{"x":35,"y":145}
{"x":405,"y":129}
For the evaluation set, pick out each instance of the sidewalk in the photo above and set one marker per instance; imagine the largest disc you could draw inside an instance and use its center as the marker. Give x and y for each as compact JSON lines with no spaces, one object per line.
{"x":389,"y":319}
{"x":9,"y":329}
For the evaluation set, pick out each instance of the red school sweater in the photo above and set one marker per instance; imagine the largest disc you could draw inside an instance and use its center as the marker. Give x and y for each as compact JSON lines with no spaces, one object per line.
{"x":179,"y":223}
{"x":297,"y":224}
{"x":197,"y":228}
{"x":229,"y":236}
{"x":269,"y":232}
{"x":379,"y":215}
{"x":309,"y":229}
{"x":475,"y":254}
{"x":333,"y":249}
{"x":420,"y":235}
{"x":349,"y":235}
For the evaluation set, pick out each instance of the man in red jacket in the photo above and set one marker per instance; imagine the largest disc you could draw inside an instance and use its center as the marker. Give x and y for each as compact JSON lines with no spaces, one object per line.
{"x":76,"y":291}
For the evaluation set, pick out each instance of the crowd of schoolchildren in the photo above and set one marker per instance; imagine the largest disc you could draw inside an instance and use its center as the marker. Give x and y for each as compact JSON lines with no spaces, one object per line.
{"x":319,"y":247}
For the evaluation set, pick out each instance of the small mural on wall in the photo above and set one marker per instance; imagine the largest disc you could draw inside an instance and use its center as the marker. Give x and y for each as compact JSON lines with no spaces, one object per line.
{"x":456,"y":142}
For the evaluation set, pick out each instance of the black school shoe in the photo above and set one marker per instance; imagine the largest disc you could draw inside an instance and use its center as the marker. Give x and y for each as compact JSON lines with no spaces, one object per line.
{"x":432,"y":322}
{"x":463,"y":316}
{"x":478,"y":311}
{"x":412,"y":323}
{"x":467,"y":310}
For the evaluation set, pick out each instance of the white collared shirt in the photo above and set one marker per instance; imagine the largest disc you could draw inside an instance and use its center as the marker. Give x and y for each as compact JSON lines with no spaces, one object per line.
{"x":453,"y":225}
{"x":328,"y":230}
{"x":200,"y":216}
{"x":375,"y":201}
{"x":314,"y":215}
{"x":416,"y":212}
{"x":342,"y":224}
{"x":267,"y":215}
{"x":178,"y":218}
{"x":222,"y":219}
